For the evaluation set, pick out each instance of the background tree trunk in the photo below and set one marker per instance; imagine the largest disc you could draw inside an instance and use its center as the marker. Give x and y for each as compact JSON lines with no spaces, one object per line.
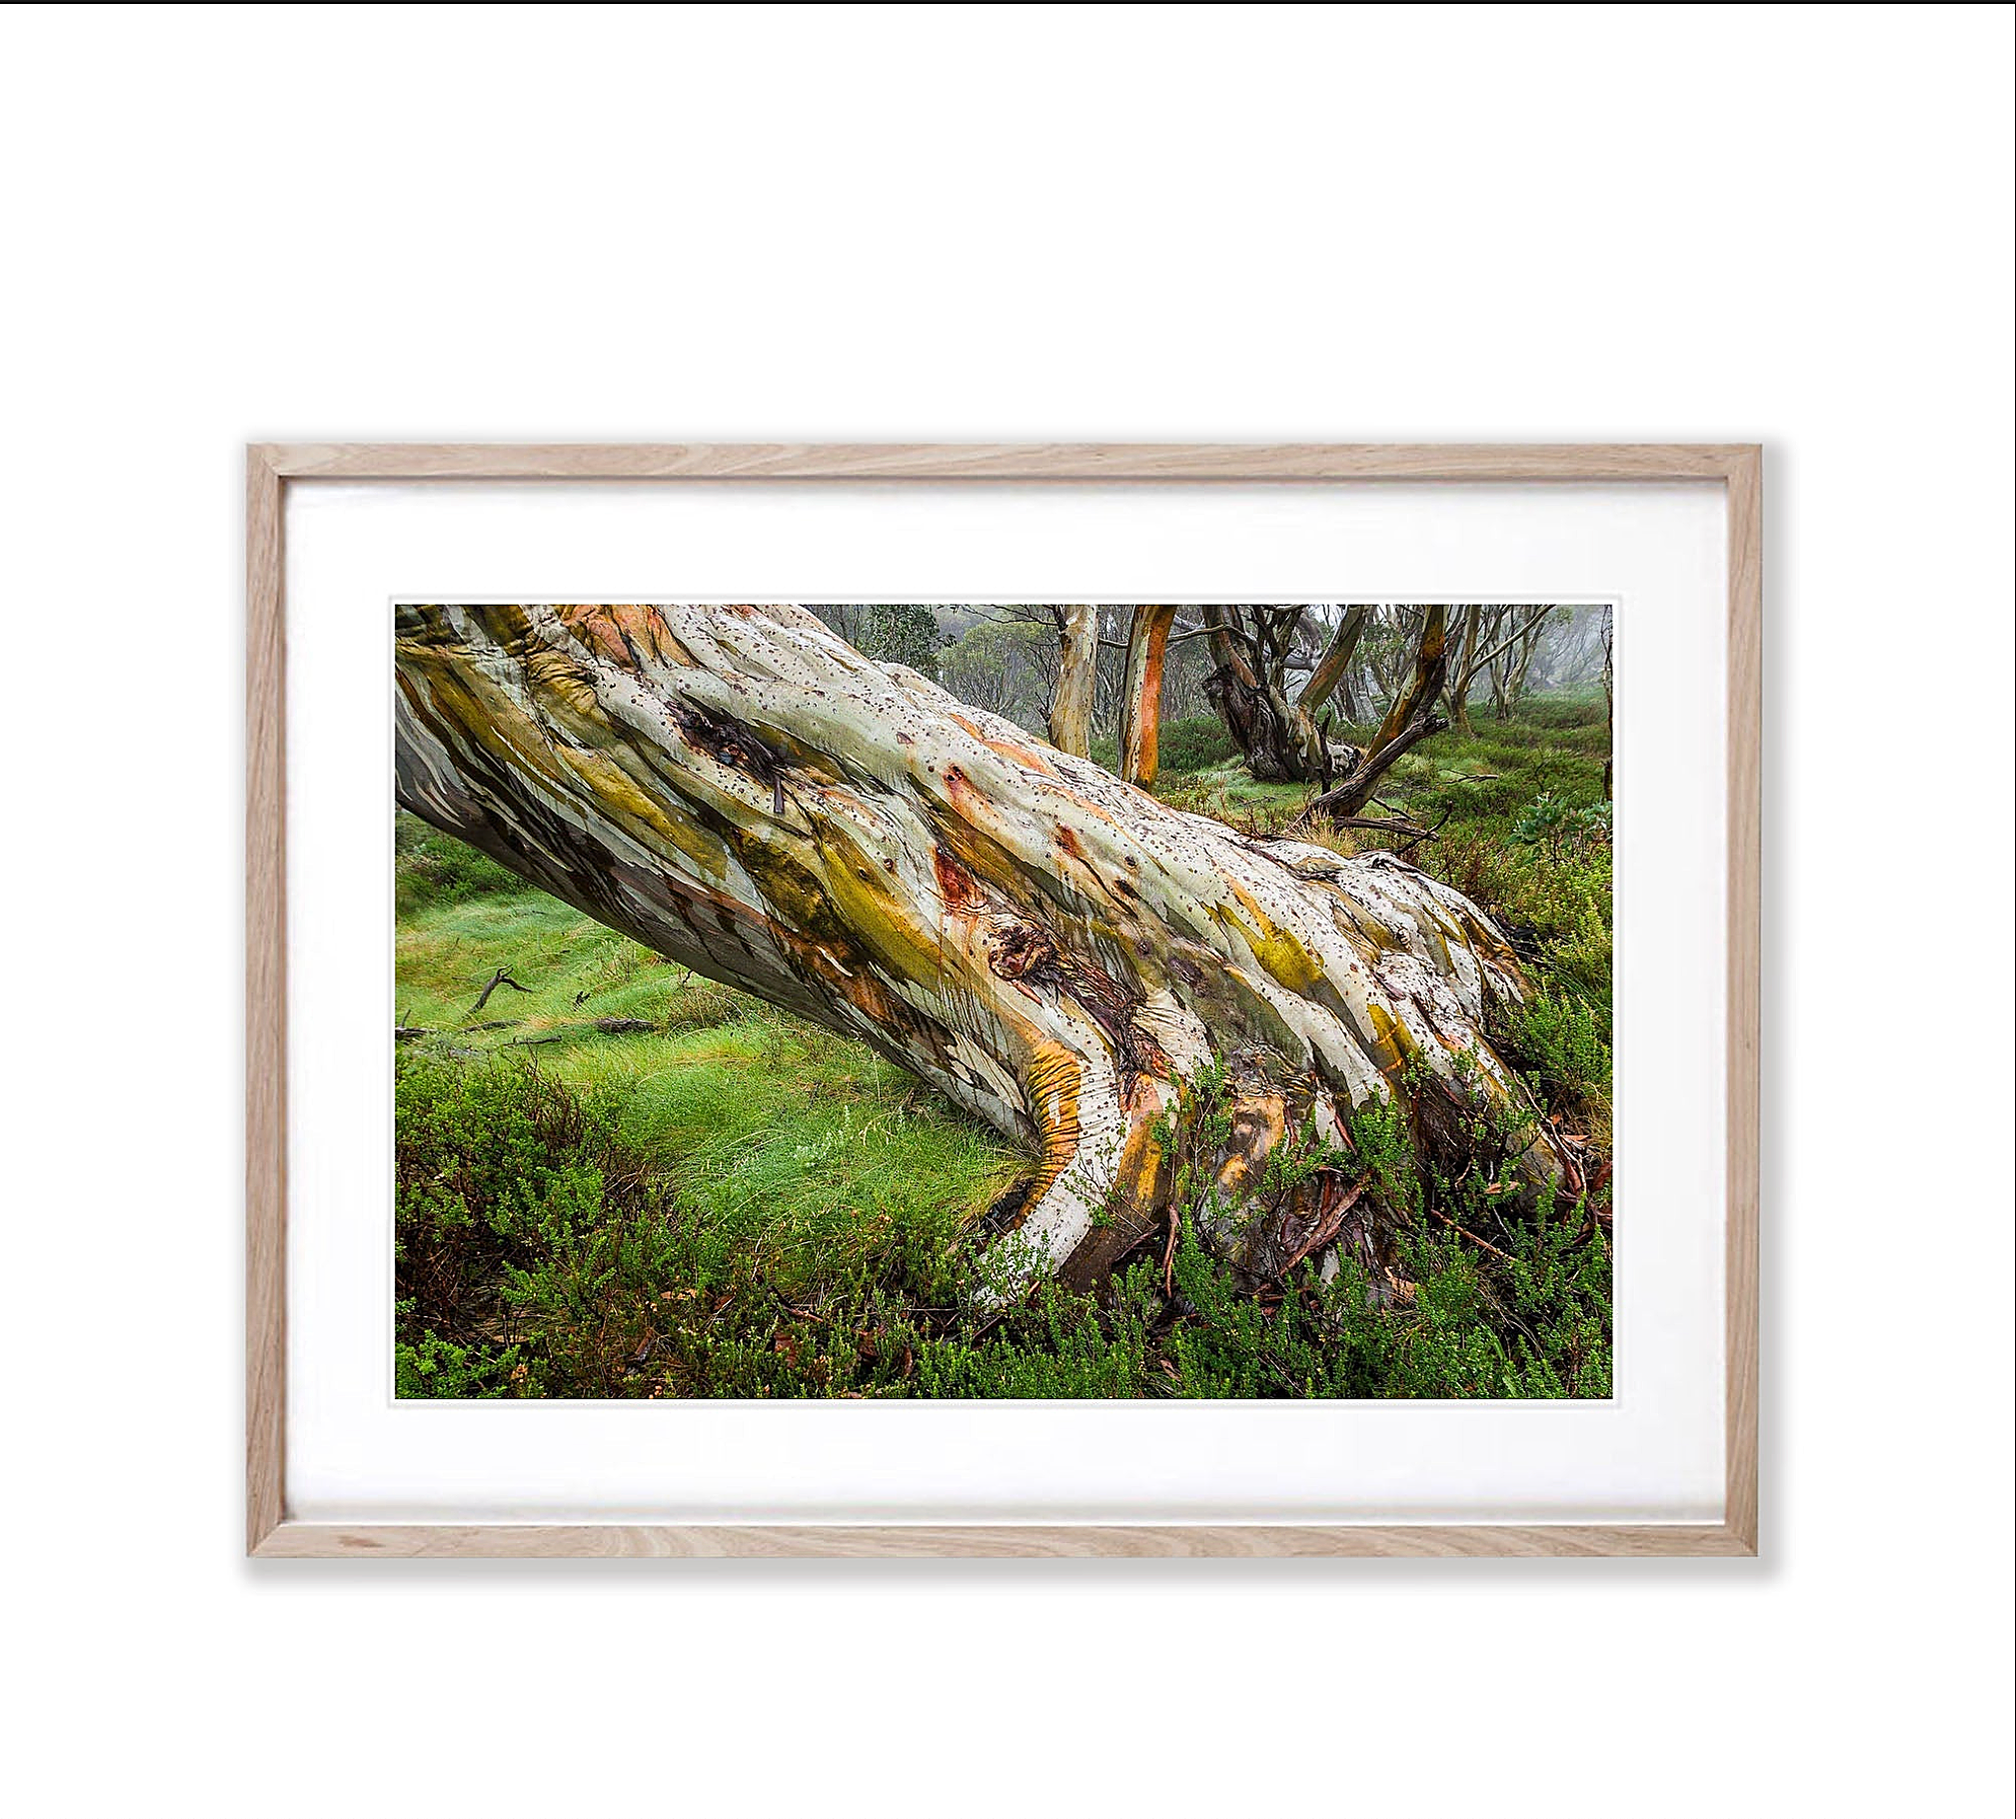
{"x":1336,"y":663}
{"x":1408,"y":721}
{"x":1077,"y":676}
{"x":1247,"y":685}
{"x":1141,"y":700}
{"x":1058,"y":953}
{"x":1461,"y":666}
{"x":1609,"y":702}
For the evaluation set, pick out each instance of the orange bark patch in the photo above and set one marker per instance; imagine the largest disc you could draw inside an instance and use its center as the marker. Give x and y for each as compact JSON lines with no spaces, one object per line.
{"x":1139,"y":1175}
{"x":1007,"y":748}
{"x":1257,"y":1125}
{"x":602,"y":628}
{"x":1052,"y":1082}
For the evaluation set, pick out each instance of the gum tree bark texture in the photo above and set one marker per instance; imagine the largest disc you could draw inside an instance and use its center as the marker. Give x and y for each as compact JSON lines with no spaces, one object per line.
{"x":1336,"y":661}
{"x":1054,"y":950}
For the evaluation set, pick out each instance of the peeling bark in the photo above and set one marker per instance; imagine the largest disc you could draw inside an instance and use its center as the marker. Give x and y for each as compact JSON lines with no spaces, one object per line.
{"x":1055,"y":951}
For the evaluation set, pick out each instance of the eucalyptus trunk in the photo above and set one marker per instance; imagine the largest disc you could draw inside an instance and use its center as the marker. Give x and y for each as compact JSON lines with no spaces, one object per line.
{"x":1335,"y":665}
{"x":1279,"y":742}
{"x":1070,"y":721}
{"x":1055,"y":951}
{"x":1410,"y":719}
{"x":1141,"y":694}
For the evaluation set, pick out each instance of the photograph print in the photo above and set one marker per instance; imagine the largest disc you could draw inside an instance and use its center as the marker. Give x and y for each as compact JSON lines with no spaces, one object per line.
{"x":1015,"y":1000}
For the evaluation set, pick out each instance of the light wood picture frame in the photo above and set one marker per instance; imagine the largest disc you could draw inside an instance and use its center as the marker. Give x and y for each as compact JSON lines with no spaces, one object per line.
{"x":273,"y":468}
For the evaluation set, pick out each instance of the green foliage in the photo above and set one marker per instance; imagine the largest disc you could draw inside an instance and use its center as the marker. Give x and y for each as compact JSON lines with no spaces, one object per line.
{"x":429,"y":868}
{"x":892,"y":632}
{"x":1561,"y":826}
{"x":1006,"y":666}
{"x":520,"y":1220}
{"x":433,"y":1366}
{"x":1564,"y":1046}
{"x":779,"y":1159}
{"x":538,"y":1256}
{"x":1198,"y":743}
{"x":1182,"y":747}
{"x":1530,"y":1321}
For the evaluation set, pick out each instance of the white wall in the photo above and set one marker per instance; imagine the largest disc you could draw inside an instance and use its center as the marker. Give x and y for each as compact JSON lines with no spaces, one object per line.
{"x":1787,"y":224}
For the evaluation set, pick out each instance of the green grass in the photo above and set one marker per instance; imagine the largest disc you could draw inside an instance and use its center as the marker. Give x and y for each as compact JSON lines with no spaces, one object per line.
{"x":774,"y":1132}
{"x":738,"y":1203}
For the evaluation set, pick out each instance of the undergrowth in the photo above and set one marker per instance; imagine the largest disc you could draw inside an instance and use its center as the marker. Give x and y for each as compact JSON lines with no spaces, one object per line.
{"x":539,"y":1256}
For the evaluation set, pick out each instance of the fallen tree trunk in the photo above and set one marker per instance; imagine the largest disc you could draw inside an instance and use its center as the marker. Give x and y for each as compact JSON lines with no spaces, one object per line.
{"x":1055,"y":951}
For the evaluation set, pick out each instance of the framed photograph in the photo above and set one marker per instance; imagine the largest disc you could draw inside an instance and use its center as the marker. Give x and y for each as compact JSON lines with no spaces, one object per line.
{"x":882,"y":1000}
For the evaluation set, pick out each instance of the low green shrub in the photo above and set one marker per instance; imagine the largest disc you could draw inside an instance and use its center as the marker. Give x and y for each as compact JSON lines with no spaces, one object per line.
{"x":430,"y":868}
{"x":1197,"y":743}
{"x":1562,"y":826}
{"x":1563,"y":1045}
{"x":527,"y":1236}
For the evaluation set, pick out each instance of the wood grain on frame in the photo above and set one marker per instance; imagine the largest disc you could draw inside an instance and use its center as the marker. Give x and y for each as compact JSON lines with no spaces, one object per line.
{"x":1744,"y":1134}
{"x":265,"y":1005}
{"x":1171,"y":1541}
{"x":1118,"y":461}
{"x":270,"y":467}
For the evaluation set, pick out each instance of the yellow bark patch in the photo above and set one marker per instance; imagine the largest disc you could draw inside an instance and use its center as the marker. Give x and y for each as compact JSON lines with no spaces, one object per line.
{"x":618,"y":797}
{"x":1393,"y":1036}
{"x":883,"y":918}
{"x":555,"y":677}
{"x":482,"y":715}
{"x":1288,"y":963}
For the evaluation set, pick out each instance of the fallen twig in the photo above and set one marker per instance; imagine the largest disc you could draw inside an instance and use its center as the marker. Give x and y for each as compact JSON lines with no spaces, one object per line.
{"x":500,"y":977}
{"x":1329,"y":1222}
{"x":559,"y":1032}
{"x":1468,"y":1233}
{"x":1372,"y":824}
{"x":1429,"y":835}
